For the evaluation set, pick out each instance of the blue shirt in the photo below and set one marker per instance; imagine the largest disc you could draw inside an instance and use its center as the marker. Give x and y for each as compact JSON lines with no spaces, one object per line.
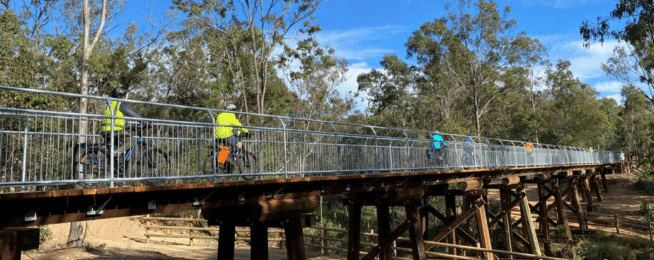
{"x":467,"y":144}
{"x":437,"y":141}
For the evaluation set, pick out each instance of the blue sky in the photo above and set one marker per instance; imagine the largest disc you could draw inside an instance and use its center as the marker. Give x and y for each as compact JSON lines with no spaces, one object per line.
{"x":364,"y":31}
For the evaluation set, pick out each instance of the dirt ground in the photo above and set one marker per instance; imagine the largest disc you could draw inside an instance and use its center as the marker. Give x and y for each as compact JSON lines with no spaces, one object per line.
{"x":622,"y":199}
{"x":124,"y":238}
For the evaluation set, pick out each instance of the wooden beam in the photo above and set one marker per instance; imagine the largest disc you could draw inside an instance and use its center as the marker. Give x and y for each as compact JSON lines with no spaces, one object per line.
{"x":384,"y":228}
{"x":458,"y":221}
{"x":447,"y":220}
{"x":294,"y":239}
{"x":10,"y":244}
{"x":544,"y":219}
{"x":484,"y":234}
{"x":415,"y":231}
{"x":259,"y":241}
{"x":226,"y":240}
{"x":587,"y":194}
{"x":507,"y":205}
{"x":529,"y":226}
{"x":397,"y":232}
{"x":505,"y":210}
{"x":595,"y":186}
{"x":576,"y":204}
{"x":354,"y":230}
{"x":450,"y":212}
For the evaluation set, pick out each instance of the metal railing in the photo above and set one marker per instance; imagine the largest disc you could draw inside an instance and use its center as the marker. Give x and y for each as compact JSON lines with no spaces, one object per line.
{"x":52,"y":145}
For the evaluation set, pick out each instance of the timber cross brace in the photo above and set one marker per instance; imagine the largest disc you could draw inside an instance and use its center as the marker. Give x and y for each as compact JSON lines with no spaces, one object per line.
{"x":470,"y":222}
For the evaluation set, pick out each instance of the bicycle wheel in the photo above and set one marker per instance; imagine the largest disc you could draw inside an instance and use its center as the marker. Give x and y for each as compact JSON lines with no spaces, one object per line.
{"x":90,"y":162}
{"x":153,"y":162}
{"x":158,"y":163}
{"x":246,"y":164}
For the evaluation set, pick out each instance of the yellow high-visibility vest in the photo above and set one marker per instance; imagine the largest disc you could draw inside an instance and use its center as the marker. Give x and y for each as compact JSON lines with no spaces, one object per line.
{"x":119,"y":122}
{"x":225,"y":125}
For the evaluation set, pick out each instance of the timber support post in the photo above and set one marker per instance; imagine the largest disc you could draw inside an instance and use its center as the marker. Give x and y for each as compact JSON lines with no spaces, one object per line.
{"x":482,"y":222}
{"x":354,"y":230}
{"x":259,"y":241}
{"x":294,"y":239}
{"x":505,"y":202}
{"x":544,"y":225}
{"x":226,"y":235}
{"x":576,"y":204}
{"x":384,"y":228}
{"x":10,"y":244}
{"x":450,"y":213}
{"x":412,"y":209}
{"x":527,"y":223}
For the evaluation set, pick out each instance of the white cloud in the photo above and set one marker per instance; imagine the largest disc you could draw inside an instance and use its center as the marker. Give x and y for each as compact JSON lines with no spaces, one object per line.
{"x":586,"y":63}
{"x":359,"y":44}
{"x":350,"y":86}
{"x":608,"y":87}
{"x":617,"y":97}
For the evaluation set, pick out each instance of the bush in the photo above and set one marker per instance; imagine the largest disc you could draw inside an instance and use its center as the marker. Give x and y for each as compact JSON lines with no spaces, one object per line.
{"x":645,"y":183}
{"x":603,"y":246}
{"x":46,"y":234}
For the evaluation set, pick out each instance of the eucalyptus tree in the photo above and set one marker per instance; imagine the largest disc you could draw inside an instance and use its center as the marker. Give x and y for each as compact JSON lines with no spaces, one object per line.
{"x":473,"y":46}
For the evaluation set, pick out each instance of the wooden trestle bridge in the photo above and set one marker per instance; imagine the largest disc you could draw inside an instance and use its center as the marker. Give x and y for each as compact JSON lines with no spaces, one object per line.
{"x":287,"y":203}
{"x":291,"y":163}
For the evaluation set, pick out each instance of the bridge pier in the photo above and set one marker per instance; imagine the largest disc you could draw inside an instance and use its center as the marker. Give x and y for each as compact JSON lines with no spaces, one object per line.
{"x":289,"y":214}
{"x":512,"y":194}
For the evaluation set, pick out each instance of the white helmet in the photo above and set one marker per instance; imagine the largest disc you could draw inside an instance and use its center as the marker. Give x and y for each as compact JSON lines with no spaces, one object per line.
{"x":231,"y":107}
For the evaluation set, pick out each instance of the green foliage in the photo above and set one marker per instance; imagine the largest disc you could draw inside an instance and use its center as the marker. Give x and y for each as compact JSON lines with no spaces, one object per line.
{"x":45,"y":235}
{"x":602,"y":246}
{"x":645,"y":182}
{"x":630,"y":22}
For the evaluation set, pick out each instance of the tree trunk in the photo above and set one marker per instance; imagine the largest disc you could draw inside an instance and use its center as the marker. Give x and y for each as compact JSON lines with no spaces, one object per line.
{"x":76,"y":236}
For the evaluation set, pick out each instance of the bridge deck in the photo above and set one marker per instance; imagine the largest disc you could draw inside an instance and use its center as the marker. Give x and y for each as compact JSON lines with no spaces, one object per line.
{"x":57,"y":206}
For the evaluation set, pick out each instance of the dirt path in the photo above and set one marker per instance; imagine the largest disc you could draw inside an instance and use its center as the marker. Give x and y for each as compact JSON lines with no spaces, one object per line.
{"x":124,"y":238}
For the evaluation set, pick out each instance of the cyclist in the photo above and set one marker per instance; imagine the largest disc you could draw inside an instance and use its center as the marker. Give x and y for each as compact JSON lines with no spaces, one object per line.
{"x":121,"y":110}
{"x":437,"y":148}
{"x":224,"y":131}
{"x":468,"y":149}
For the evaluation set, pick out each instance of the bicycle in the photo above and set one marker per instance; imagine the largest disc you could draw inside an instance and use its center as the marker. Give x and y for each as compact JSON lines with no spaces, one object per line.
{"x":228,"y":162}
{"x":94,"y":158}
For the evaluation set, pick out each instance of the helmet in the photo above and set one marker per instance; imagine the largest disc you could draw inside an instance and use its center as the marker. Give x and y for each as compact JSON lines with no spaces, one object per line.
{"x":231,"y":107}
{"x":119,"y":92}
{"x":435,"y":132}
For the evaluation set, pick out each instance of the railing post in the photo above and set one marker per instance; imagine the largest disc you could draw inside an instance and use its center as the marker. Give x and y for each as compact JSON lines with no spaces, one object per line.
{"x":25,"y":152}
{"x":214,"y":147}
{"x":111,"y":147}
{"x":285,"y":148}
